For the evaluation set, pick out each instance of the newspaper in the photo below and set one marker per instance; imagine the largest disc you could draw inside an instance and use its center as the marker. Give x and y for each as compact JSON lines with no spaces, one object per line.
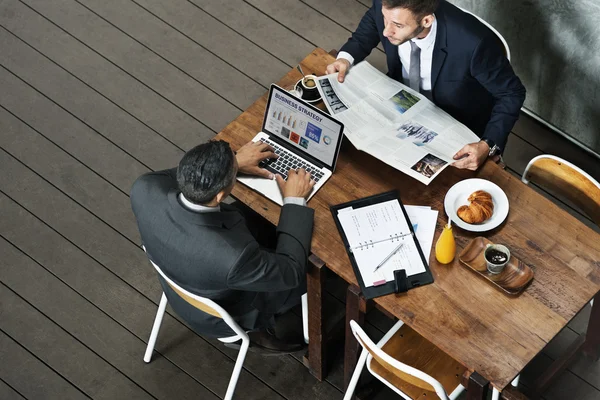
{"x":394,"y":123}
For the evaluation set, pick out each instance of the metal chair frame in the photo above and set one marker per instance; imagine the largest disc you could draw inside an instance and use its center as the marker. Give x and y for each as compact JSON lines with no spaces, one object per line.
{"x":218,"y":311}
{"x":366,"y":358}
{"x":494,"y":30}
{"x":575,"y":169}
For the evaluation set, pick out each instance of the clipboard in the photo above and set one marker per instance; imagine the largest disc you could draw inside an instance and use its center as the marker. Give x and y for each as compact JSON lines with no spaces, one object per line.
{"x":401,"y":282}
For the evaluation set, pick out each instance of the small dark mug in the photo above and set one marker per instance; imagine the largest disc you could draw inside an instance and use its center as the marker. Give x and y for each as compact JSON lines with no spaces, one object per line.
{"x":496,"y":257}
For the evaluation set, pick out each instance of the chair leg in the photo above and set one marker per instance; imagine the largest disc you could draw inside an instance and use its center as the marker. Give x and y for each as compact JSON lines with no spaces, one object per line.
{"x":515,"y":381}
{"x":305,"y":317}
{"x":237,"y":369}
{"x":155,"y":328}
{"x":360,"y":365}
{"x":457,"y":392}
{"x":495,"y":394}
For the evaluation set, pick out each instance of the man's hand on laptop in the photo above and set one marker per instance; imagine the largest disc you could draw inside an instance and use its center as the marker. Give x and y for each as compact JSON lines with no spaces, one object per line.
{"x":471,"y":156}
{"x":250,"y":154}
{"x":299,"y":183}
{"x":340,"y":65}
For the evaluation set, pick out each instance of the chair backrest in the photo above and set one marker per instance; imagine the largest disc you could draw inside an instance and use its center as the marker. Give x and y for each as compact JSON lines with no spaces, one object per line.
{"x":203,"y":304}
{"x":403,"y":371}
{"x":566,"y":180}
{"x":500,"y":37}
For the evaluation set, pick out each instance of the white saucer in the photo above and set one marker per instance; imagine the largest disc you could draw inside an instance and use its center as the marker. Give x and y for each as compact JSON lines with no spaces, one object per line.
{"x":458,"y":194}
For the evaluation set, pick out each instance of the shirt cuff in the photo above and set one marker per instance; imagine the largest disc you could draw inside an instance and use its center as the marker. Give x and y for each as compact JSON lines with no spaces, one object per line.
{"x":300,"y":201}
{"x":346,"y":56}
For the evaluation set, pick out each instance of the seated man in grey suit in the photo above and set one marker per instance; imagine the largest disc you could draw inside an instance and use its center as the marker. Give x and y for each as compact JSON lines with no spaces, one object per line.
{"x":206,"y":246}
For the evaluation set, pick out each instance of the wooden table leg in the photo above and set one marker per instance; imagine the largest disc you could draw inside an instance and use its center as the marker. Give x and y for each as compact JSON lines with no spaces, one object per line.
{"x":512,"y":393}
{"x":315,"y":287}
{"x":478,"y":387}
{"x":356,"y":307}
{"x":591,"y":348}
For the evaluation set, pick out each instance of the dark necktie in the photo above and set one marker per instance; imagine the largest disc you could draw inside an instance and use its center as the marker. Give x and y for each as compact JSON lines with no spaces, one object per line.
{"x":414,"y":74}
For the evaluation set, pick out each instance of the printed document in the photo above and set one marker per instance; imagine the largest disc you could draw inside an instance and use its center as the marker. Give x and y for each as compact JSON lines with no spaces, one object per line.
{"x":424,"y":221}
{"x":373,"y":233}
{"x":394,"y":123}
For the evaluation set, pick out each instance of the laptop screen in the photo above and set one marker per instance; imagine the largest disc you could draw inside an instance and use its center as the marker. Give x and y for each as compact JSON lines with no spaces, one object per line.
{"x":302,"y":126}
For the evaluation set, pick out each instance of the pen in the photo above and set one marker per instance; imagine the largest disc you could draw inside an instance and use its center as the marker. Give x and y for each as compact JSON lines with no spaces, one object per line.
{"x":389,"y":256}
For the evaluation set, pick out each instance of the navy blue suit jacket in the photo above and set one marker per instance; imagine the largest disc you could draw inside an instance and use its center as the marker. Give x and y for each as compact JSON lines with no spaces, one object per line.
{"x":471,"y":78}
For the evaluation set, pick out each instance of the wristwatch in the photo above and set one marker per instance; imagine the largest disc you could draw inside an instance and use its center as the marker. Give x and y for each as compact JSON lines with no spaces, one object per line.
{"x":494,"y":149}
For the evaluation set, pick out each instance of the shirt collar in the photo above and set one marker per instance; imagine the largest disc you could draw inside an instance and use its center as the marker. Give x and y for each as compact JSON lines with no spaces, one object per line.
{"x":428,"y":40}
{"x":197,"y":207}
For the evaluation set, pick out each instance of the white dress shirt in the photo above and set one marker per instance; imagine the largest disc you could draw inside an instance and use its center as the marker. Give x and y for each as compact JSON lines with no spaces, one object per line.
{"x":197,"y":207}
{"x":200,"y":208}
{"x":426,"y":45}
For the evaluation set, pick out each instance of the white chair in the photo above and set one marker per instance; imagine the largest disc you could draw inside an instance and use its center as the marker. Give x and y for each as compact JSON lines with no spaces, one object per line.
{"x":566,"y":180}
{"x":500,"y":37}
{"x":409,"y":364}
{"x":212,"y":308}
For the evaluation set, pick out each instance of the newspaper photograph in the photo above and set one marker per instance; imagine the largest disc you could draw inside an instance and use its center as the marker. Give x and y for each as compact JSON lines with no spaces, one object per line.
{"x":394,"y":123}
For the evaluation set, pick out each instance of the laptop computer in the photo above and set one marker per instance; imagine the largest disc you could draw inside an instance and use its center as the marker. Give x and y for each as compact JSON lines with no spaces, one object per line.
{"x":302,"y":135}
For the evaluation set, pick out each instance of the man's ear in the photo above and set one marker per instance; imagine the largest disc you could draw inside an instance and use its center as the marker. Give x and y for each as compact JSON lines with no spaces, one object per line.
{"x":221,"y":196}
{"x":427,"y":21}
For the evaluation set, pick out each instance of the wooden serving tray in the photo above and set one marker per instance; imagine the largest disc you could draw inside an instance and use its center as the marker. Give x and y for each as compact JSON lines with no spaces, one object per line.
{"x":512,"y":280}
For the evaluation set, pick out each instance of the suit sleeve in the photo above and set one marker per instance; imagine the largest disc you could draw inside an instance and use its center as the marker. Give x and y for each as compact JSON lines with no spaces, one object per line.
{"x":493,"y":71}
{"x":285,"y":268}
{"x":365,"y":38}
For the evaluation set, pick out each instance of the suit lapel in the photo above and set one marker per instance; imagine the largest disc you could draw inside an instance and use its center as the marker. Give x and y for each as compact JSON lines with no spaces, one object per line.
{"x":231,"y":215}
{"x":439,"y":49}
{"x":394,"y":64}
{"x":391,"y":52}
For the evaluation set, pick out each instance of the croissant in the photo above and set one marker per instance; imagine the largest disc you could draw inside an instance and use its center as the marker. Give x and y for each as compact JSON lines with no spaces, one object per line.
{"x":480,"y":208}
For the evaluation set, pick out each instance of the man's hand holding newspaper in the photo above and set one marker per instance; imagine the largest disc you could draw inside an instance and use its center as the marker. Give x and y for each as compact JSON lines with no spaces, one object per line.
{"x":397,"y":125}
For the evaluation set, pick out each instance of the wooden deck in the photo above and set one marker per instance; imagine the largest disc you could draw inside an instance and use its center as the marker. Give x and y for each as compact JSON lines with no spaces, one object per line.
{"x":93,"y":93}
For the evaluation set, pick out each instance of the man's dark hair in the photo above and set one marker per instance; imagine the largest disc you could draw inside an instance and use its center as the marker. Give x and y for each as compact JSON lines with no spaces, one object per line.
{"x":419,"y":8}
{"x":205,"y":170}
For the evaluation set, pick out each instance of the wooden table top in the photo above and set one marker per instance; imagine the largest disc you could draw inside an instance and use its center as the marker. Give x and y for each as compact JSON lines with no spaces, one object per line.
{"x":486,"y":330}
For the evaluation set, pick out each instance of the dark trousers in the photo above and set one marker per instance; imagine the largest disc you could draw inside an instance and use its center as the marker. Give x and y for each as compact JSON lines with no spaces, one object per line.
{"x":266,"y":235}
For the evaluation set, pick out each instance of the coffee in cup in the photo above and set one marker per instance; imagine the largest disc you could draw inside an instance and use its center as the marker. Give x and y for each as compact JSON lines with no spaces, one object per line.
{"x":309,"y":88}
{"x":308,"y":82}
{"x":496,"y":257}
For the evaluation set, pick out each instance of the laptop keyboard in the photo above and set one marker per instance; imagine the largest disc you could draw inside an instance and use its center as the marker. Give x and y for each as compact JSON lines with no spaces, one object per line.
{"x":286,"y":161}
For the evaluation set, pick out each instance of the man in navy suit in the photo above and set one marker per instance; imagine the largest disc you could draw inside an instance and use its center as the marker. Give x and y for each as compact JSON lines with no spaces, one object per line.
{"x":458,"y":63}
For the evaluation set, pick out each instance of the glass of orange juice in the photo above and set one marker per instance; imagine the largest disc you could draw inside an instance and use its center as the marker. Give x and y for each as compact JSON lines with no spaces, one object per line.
{"x":445,"y":247}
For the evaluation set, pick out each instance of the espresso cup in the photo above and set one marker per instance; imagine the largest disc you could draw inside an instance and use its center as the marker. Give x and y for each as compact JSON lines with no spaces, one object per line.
{"x":496,"y":257}
{"x":309,"y":88}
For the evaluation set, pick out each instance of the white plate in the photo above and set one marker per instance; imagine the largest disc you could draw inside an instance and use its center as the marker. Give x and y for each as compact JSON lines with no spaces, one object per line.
{"x":458,"y":195}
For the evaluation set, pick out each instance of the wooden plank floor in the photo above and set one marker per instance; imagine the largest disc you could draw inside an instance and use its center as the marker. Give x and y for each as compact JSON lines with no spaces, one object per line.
{"x":93,"y":94}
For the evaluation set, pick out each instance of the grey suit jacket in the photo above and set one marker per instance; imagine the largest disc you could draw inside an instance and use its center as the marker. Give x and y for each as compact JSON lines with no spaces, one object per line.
{"x":214,"y":255}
